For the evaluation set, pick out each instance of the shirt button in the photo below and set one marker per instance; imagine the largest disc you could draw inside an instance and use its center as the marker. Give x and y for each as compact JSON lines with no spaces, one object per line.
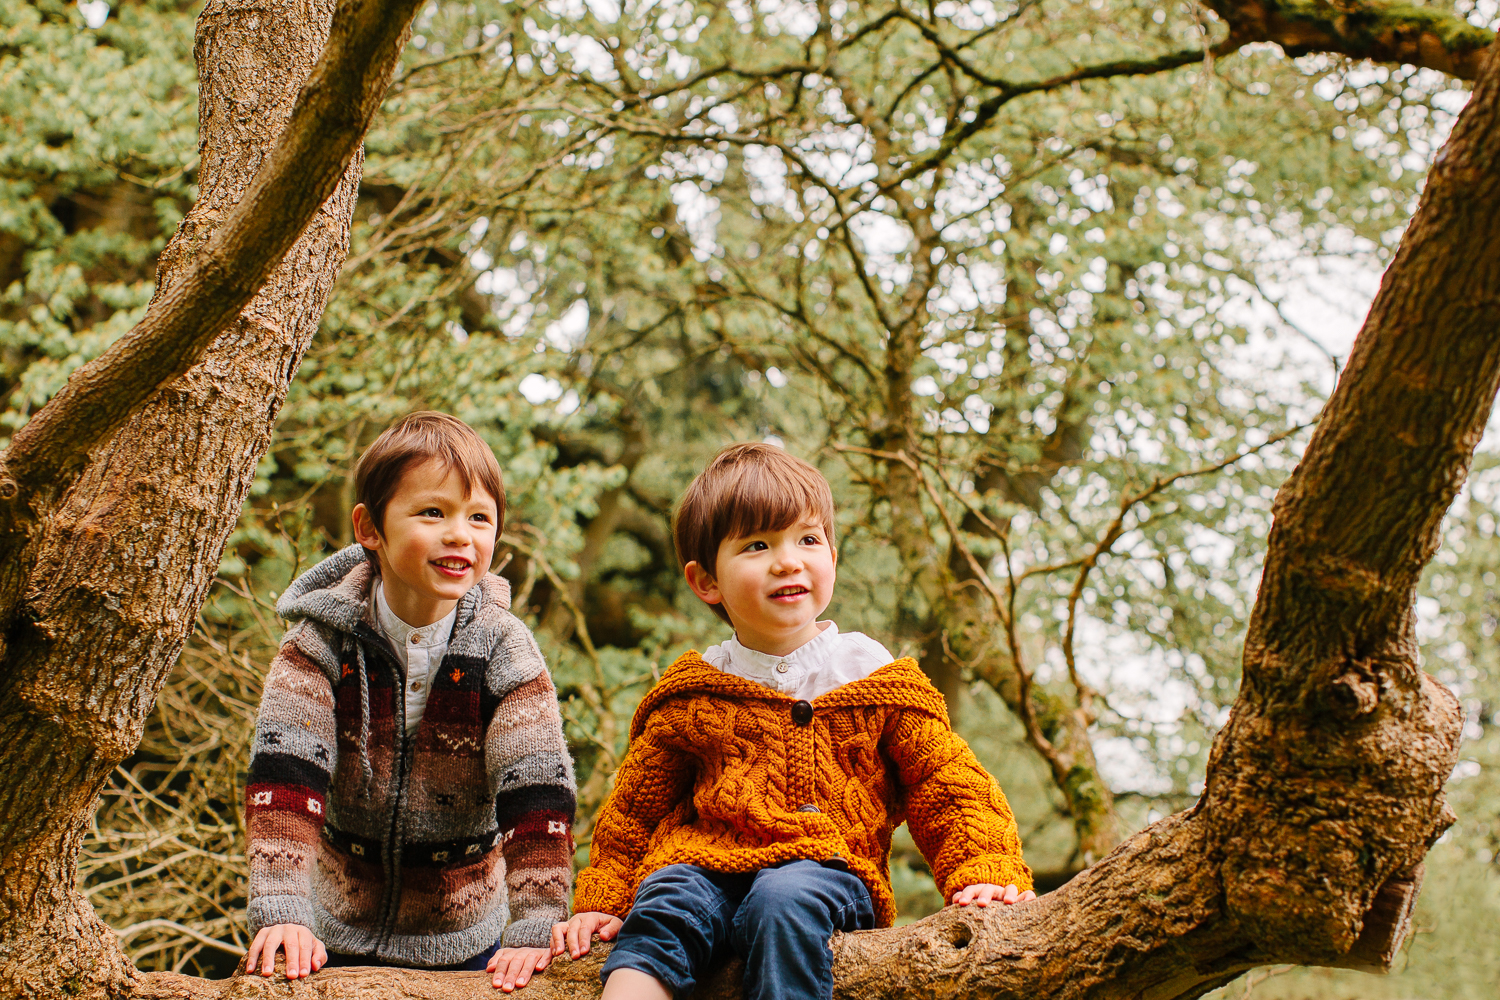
{"x":416,"y":685}
{"x":416,"y":637}
{"x":783,"y":667}
{"x":802,"y":713}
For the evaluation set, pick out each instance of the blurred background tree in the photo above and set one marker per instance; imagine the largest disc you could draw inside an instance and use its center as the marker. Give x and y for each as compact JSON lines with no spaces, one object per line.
{"x":1024,"y":279}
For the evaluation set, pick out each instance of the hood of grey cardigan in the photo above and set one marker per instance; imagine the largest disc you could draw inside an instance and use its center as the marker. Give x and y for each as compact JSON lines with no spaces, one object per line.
{"x":333,"y":594}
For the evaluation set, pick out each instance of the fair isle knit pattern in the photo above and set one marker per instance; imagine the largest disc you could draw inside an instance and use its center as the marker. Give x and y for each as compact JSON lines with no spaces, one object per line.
{"x":725,"y":773}
{"x":418,"y":849}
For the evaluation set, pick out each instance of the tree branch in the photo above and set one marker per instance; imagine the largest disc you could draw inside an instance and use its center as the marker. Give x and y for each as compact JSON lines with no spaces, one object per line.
{"x":186,"y":316}
{"x":1390,"y":31}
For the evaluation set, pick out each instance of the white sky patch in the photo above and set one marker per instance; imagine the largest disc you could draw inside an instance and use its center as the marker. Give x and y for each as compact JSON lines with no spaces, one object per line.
{"x":589,"y":57}
{"x":95,"y":12}
{"x":884,"y":239}
{"x":539,"y":389}
{"x":698,"y":214}
{"x":568,"y":331}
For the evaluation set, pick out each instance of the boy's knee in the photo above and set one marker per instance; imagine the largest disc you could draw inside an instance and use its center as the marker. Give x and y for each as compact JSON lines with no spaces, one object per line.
{"x":802,"y":895}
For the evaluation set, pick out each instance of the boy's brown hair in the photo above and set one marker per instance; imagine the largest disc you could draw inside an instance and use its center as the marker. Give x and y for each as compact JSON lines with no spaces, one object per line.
{"x":414,"y":439}
{"x":745,"y":489}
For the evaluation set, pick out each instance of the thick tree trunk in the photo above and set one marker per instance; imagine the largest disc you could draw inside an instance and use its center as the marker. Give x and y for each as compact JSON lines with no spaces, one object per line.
{"x":108,"y":557}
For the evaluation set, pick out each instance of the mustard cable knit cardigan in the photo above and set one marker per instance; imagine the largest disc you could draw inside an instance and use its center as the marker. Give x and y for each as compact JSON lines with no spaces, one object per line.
{"x":732,"y":776}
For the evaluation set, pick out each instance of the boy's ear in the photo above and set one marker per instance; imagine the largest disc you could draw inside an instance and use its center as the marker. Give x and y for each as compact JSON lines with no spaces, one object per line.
{"x":702,"y":582}
{"x":365,"y":532}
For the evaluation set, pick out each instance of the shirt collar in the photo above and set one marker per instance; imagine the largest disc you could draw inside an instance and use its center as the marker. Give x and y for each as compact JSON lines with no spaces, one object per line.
{"x":403,"y":634}
{"x":810,"y":656}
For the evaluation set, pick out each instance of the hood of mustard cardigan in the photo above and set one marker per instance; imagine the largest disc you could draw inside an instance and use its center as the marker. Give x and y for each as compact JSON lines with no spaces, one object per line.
{"x":900,"y":684}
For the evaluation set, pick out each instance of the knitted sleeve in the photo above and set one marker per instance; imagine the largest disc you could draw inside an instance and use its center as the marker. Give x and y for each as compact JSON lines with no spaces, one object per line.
{"x":650,"y":784}
{"x":527,"y":757}
{"x":956,"y":812}
{"x":291,"y":763}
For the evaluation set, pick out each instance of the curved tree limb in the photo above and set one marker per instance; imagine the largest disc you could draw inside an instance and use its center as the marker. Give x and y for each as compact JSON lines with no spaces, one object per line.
{"x":188,"y":314}
{"x":1389,"y":31}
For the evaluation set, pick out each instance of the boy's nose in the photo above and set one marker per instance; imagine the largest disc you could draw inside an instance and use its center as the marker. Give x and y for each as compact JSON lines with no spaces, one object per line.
{"x":787,"y":560}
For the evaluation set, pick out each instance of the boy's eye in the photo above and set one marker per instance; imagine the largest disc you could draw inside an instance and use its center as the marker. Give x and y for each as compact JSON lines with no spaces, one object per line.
{"x":480,"y":517}
{"x":811,"y":540}
{"x":431,"y":512}
{"x":755,"y":546}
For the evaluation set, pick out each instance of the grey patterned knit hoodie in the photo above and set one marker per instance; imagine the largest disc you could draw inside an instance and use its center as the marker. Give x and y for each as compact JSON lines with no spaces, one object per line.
{"x":417,"y":849}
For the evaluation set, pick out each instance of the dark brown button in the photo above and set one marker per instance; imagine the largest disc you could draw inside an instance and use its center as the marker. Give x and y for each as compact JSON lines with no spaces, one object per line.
{"x":802,"y":713}
{"x":809,"y":808}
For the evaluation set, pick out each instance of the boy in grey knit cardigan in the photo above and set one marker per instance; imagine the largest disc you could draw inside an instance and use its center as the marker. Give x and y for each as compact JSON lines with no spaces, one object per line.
{"x":411,"y":795}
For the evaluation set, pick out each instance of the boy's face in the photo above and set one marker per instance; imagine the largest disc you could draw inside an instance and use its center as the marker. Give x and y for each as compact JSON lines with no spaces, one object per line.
{"x":436,"y":542}
{"x":774,"y":584}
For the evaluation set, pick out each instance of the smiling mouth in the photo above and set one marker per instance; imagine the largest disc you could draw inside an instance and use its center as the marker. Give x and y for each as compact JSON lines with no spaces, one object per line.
{"x":797,"y":591}
{"x":452,"y":565}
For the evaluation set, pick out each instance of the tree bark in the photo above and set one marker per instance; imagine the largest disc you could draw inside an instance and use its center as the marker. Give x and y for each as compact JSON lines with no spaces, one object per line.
{"x":1382,"y":30}
{"x":122,"y":494}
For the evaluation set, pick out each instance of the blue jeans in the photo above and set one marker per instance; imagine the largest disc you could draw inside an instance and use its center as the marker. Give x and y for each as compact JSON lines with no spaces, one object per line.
{"x":779,"y":920}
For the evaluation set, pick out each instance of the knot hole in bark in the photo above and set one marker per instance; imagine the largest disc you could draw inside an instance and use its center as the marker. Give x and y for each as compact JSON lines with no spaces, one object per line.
{"x":1351,"y":696}
{"x":960,"y":934}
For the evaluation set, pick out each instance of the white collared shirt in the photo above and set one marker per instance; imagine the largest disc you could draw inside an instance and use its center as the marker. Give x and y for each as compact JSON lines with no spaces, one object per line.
{"x":420,"y":649}
{"x":828,"y":660}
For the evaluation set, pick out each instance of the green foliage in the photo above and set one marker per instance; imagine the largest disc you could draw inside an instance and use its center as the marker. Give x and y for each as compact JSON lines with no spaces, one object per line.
{"x":616,"y":237}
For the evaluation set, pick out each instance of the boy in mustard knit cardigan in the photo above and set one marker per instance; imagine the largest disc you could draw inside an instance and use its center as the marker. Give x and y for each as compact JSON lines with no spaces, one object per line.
{"x":755,"y":807}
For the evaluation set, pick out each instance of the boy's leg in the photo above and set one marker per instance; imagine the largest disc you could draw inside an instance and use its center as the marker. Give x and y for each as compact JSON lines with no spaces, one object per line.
{"x":680,"y":918}
{"x":783,"y":927}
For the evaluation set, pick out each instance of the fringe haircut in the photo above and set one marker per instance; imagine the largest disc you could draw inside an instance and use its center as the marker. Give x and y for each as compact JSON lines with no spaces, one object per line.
{"x":416,"y":438}
{"x":745,"y":489}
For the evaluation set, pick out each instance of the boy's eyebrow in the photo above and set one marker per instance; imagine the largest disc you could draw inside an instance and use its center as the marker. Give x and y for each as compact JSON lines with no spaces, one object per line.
{"x":437,"y":499}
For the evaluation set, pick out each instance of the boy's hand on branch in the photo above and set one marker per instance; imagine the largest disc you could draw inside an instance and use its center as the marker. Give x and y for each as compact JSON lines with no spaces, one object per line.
{"x":575,"y":936}
{"x":513,"y":967}
{"x":984,"y":894}
{"x":305,"y":954}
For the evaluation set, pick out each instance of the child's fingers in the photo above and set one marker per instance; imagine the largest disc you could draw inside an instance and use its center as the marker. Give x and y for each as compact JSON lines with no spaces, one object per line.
{"x":559,"y":938}
{"x":610,"y":928}
{"x":543,"y":960}
{"x":504,"y":978}
{"x":305,"y":941}
{"x":1011,"y":892}
{"x":575,"y":926}
{"x":320,"y":955}
{"x":254,"y":952}
{"x":531,"y":962}
{"x":1027,"y":896}
{"x":268,"y":955}
{"x":293,"y":946}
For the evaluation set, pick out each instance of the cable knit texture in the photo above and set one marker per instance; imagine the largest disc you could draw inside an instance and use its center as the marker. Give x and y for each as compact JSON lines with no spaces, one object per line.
{"x":720,"y":769}
{"x":419,"y":849}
